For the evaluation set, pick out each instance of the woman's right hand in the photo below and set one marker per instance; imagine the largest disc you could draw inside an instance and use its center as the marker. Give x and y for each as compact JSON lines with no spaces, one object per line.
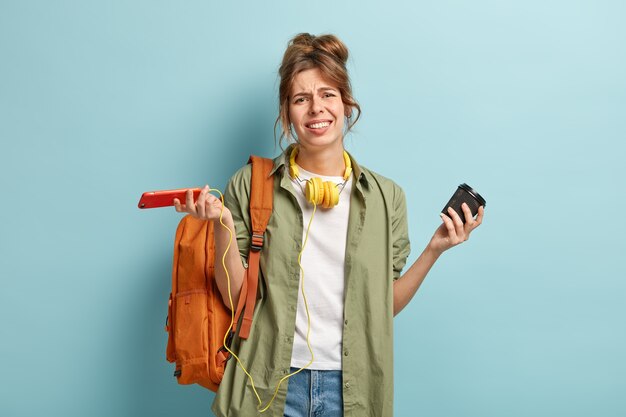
{"x":206,"y":207}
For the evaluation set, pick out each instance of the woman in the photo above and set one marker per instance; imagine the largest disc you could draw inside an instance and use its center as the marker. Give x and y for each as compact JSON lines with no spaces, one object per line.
{"x":334,"y":315}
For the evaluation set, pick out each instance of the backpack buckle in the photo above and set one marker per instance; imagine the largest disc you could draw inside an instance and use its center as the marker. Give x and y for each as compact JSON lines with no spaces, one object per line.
{"x":229,"y":341}
{"x":257,"y":241}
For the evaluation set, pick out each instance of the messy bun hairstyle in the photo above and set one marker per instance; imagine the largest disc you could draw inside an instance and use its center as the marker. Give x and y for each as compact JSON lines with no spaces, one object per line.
{"x":328,"y":54}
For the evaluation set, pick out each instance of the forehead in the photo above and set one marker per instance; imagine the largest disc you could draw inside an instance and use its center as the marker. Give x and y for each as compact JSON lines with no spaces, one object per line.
{"x":310,"y":80}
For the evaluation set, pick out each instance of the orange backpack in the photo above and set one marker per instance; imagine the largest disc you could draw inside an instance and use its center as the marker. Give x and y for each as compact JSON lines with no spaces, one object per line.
{"x":197,"y":318}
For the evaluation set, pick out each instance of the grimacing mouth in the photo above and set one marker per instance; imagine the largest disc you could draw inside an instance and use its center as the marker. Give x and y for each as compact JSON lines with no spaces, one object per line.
{"x":318,"y":124}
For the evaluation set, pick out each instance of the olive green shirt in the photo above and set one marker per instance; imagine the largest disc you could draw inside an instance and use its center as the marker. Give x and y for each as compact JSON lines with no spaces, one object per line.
{"x":376,"y":251}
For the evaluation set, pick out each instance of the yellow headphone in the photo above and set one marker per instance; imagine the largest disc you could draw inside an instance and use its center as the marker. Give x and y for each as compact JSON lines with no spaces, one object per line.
{"x":317,"y":191}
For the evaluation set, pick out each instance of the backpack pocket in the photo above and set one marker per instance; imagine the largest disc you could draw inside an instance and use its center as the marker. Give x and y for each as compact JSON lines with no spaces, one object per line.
{"x":191,"y":336}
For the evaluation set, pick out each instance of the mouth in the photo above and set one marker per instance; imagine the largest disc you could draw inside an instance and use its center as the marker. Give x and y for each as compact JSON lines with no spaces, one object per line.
{"x":318,"y":124}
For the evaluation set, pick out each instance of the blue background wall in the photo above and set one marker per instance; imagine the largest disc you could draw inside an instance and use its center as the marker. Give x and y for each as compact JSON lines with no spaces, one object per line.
{"x":524,"y":100}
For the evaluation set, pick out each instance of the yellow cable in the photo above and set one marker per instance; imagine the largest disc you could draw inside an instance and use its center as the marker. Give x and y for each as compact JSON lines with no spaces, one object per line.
{"x":232,"y":309}
{"x":308,"y":317}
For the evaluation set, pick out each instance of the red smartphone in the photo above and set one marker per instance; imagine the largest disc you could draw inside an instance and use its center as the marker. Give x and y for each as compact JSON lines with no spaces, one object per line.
{"x":165,"y":198}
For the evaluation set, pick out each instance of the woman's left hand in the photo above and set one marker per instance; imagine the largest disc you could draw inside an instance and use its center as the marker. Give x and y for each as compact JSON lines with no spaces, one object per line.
{"x":453,"y":231}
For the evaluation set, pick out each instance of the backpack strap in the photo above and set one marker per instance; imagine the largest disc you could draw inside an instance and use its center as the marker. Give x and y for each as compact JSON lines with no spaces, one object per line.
{"x":261,"y":200}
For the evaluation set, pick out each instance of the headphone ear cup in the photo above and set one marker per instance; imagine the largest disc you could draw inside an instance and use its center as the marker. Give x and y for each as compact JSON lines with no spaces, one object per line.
{"x":310,"y":191}
{"x":326,"y":203}
{"x":314,"y":191}
{"x":334,"y":194}
{"x":324,"y":193}
{"x":319,"y":190}
{"x":331,"y":194}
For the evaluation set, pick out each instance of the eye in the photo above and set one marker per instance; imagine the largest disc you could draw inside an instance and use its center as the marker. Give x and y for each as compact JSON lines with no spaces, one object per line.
{"x":329,"y":95}
{"x":299,"y":100}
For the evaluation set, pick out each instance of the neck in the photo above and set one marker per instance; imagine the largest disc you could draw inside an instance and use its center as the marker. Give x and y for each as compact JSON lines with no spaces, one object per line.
{"x":326,"y":161}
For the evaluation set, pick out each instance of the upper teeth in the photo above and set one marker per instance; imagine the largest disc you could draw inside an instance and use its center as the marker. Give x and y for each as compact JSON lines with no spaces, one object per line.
{"x":319,"y":125}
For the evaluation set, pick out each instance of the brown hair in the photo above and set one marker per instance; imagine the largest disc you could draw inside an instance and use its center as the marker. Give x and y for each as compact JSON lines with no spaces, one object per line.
{"x":326,"y":53}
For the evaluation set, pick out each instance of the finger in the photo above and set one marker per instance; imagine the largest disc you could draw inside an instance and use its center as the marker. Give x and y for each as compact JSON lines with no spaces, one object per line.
{"x":209,"y":209}
{"x":179,"y":208}
{"x":189,"y":204}
{"x":216,"y":204}
{"x":469,"y":217}
{"x":215,"y":200}
{"x":458,"y":223}
{"x":201,"y":202}
{"x":479,"y":218}
{"x":210,"y":200}
{"x":469,"y":220}
{"x":476,"y":222}
{"x":449,"y":226}
{"x":203,"y":195}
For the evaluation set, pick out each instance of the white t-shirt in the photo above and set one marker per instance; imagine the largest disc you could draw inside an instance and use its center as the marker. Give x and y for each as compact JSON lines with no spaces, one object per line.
{"x":323,"y":261}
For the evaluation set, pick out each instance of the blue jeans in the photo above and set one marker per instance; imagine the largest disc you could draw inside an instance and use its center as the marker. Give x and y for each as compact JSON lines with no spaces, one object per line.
{"x":312,"y":393}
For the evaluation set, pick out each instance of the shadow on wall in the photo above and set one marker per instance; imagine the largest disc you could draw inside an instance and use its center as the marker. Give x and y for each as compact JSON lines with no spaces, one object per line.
{"x":246,"y":123}
{"x":246,"y":128}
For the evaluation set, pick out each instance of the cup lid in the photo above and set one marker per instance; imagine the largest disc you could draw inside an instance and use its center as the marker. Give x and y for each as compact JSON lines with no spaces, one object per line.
{"x":474,"y":194}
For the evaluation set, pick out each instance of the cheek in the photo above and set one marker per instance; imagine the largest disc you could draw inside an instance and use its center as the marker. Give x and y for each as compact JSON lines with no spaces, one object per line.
{"x":341,"y":109}
{"x":293,"y":115}
{"x":340,"y":123}
{"x":342,"y":113}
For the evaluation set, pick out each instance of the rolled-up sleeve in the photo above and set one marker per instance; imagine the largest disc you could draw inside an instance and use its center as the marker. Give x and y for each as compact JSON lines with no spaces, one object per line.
{"x":399,"y":233}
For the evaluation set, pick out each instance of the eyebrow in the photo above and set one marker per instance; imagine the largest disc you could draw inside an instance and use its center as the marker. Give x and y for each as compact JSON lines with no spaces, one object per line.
{"x":302,"y":93}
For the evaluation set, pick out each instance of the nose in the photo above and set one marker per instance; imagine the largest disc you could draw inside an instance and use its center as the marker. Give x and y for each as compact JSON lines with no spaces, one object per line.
{"x":316,"y":106}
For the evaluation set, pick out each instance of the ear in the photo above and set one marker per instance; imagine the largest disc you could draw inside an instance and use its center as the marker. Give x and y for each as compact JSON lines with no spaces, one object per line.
{"x":348,"y":111}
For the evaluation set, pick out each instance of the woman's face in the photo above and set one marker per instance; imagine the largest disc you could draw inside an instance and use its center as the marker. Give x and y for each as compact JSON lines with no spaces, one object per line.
{"x":316,"y":110}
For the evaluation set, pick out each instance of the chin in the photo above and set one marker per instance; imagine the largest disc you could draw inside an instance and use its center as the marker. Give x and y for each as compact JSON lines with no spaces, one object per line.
{"x":320,"y":141}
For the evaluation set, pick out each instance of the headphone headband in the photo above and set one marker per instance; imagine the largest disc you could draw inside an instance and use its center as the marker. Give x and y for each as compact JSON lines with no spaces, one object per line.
{"x":295,"y":173}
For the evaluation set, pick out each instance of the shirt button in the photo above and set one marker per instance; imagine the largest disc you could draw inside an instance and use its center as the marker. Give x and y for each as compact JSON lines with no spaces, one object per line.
{"x":293,"y":308}
{"x":345,"y":322}
{"x":347,"y":385}
{"x":345,"y":353}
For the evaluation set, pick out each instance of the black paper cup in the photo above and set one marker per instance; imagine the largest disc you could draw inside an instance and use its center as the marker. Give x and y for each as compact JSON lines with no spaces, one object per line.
{"x":464,"y":194}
